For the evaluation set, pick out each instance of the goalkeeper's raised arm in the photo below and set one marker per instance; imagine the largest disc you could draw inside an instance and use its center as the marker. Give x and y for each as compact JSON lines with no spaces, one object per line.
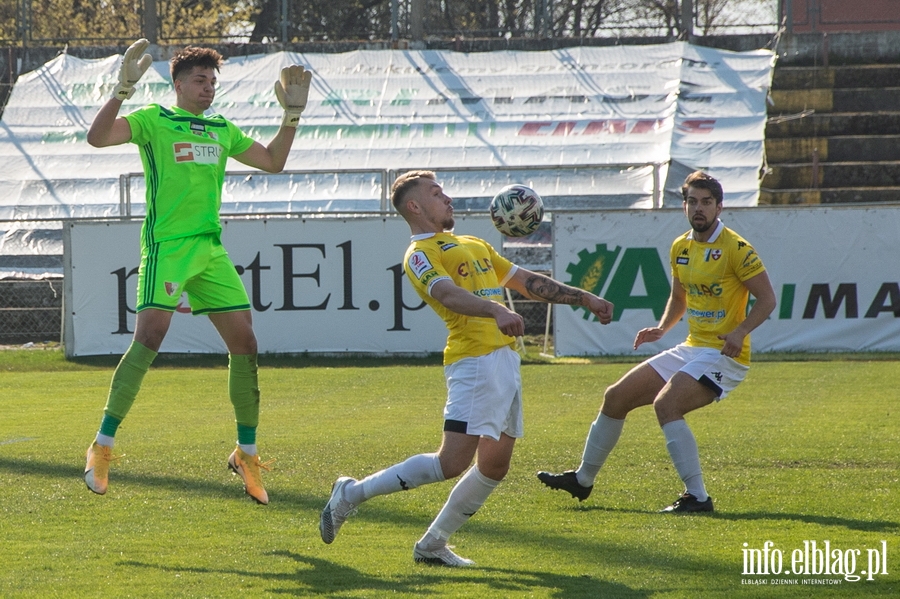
{"x":292,"y":91}
{"x":106,"y":129}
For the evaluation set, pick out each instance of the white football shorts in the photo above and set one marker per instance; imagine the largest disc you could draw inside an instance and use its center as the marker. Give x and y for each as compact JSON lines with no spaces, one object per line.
{"x":705,"y":364}
{"x":484,"y":395}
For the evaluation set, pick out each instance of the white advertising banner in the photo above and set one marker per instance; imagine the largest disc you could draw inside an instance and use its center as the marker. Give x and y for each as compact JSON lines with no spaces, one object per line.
{"x":835,"y":271}
{"x":693,"y":107}
{"x":319,"y":285}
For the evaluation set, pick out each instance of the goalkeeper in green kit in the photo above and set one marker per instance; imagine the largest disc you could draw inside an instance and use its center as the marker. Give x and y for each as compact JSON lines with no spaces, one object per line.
{"x":184,"y":152}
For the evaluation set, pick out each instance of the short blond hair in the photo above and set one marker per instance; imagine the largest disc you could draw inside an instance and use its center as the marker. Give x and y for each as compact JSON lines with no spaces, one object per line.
{"x":404,"y":183}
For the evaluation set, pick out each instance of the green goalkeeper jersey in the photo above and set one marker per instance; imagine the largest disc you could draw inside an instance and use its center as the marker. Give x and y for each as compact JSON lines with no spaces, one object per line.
{"x":184,"y":158}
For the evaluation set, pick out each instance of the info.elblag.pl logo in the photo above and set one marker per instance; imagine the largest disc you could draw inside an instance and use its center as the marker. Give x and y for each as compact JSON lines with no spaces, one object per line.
{"x":813,"y":563}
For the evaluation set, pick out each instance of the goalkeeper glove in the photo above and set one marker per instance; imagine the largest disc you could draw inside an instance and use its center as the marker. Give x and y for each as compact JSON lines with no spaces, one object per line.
{"x":132,"y":69}
{"x":292,"y":91}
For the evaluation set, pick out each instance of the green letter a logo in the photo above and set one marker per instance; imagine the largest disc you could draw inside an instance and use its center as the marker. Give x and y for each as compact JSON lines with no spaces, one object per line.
{"x":594,"y":268}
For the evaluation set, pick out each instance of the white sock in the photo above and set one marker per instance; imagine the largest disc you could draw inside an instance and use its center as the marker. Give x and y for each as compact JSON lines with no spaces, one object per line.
{"x":682,"y":448}
{"x":416,"y":471}
{"x":465,"y":499}
{"x":601,"y":440}
{"x":250,"y":450}
{"x":105,"y":440}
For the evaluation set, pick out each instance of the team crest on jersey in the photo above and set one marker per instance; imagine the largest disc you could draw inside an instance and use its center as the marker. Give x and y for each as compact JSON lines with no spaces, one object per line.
{"x":714,"y":254}
{"x":171,"y":288}
{"x":419,"y":263}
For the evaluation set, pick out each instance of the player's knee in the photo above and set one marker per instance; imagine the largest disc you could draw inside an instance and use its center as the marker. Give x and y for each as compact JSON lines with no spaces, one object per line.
{"x":666,"y":411}
{"x":494,"y":471}
{"x":150,"y":338}
{"x":615,"y":403}
{"x":453,"y":466}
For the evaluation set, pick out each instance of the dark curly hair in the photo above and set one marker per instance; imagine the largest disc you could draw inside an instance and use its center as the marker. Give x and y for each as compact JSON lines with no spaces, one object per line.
{"x":192,"y":56}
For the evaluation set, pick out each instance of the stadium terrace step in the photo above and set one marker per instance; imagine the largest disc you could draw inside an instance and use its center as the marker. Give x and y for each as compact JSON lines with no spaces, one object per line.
{"x":850,"y":195}
{"x":831,"y":136}
{"x":843,"y":77}
{"x":833,"y":175}
{"x":848,"y":148}
{"x":813,"y":124}
{"x":861,"y":99}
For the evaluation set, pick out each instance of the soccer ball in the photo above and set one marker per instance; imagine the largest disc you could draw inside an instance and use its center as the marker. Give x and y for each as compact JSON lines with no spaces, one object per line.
{"x":517,"y":210}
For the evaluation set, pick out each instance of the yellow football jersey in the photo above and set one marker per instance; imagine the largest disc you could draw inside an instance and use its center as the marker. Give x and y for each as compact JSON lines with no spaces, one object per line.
{"x":712,"y":276}
{"x":472,"y":264}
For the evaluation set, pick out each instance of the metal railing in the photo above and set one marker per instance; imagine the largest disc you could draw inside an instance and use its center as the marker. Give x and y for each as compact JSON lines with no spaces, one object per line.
{"x":472,"y":192}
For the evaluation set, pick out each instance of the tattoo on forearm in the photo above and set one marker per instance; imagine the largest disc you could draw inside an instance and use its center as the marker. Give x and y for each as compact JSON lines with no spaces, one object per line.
{"x":547,"y":289}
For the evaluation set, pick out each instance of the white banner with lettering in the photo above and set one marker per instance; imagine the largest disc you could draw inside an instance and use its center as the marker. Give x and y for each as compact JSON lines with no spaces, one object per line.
{"x":835,"y":272}
{"x":682,"y":106}
{"x":316,"y":285}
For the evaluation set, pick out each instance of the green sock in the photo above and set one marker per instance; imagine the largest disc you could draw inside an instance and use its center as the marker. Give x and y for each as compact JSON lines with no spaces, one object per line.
{"x":243,"y":389}
{"x":246,"y":435}
{"x":126,"y":382}
{"x":109,"y":425}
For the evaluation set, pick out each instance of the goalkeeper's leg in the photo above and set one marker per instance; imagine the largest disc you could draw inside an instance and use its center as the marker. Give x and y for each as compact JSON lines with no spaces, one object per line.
{"x":126,"y":383}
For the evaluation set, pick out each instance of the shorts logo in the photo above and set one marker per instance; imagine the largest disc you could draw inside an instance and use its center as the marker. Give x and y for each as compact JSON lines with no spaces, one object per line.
{"x":171,"y":288}
{"x":717,"y":376}
{"x":198,"y":153}
{"x":419,"y":264}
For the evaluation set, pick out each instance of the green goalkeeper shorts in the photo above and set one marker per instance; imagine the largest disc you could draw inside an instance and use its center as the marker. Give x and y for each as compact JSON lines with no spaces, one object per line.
{"x":198,"y":266}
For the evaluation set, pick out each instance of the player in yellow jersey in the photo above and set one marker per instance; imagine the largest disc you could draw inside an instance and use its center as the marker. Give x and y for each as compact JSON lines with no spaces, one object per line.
{"x":462,"y":279}
{"x":184,"y":150}
{"x":714,"y":271}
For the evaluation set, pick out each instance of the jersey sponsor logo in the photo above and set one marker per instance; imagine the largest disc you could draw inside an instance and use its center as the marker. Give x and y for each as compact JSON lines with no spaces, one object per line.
{"x":681,"y":260}
{"x":428,"y":276}
{"x":713,"y":290}
{"x":750,"y":259}
{"x":489,"y":292}
{"x":447,"y":246}
{"x":419,"y":263}
{"x":707,"y":314}
{"x":480,"y":266}
{"x":198,"y":127}
{"x":197,"y":152}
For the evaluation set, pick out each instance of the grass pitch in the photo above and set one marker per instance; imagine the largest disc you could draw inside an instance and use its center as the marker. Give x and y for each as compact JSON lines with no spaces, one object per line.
{"x":801,"y":452}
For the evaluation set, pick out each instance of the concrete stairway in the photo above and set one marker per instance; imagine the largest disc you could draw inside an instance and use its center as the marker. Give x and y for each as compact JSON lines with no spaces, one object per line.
{"x":832,"y":135}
